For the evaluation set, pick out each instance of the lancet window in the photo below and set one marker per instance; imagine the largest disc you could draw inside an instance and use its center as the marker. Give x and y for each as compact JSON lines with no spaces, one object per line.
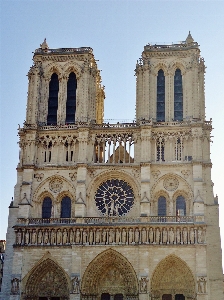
{"x":179,"y":149}
{"x":114,"y":149}
{"x":71,"y":98}
{"x":46,"y":208}
{"x":160,"y":148}
{"x":180,"y":206}
{"x":53,"y":100}
{"x":66,"y":207}
{"x":178,"y":96}
{"x":162,"y":206}
{"x":160,"y":114}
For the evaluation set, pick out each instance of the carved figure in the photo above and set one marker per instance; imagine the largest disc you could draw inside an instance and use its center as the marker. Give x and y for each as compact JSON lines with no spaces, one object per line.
{"x":136,"y":235}
{"x":118,"y":236}
{"x":46,"y":237}
{"x":192,"y":235}
{"x":27,"y":237}
{"x":143,"y":239}
{"x":124,"y":235}
{"x":85,"y":237}
{"x":53,"y":237}
{"x":77,"y":237}
{"x":202,"y":285}
{"x":143,"y":284}
{"x":59,"y":236}
{"x":157,"y":236}
{"x":130,"y":236}
{"x":111,"y":236}
{"x":164,"y":236}
{"x":97,"y":236}
{"x":71,"y":237}
{"x":65,"y":237}
{"x":91,"y":237}
{"x":178,"y":235}
{"x":171,"y":236}
{"x":104,"y":236}
{"x":34,"y":237}
{"x":40,"y":237}
{"x":151,"y":235}
{"x":15,"y":286}
{"x":19,"y":237}
{"x":199,"y":235}
{"x":75,"y":285}
{"x":185,"y":235}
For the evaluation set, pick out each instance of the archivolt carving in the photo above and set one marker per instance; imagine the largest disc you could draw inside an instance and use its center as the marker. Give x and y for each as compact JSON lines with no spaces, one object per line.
{"x":177,"y":65}
{"x":173,"y":274}
{"x":109,"y":272}
{"x":52,"y":68}
{"x":72,"y":67}
{"x":46,"y":279}
{"x":44,"y":187}
{"x":113,"y":174}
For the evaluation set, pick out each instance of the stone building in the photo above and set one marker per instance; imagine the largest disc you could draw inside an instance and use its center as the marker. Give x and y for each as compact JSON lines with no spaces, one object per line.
{"x":114,"y":211}
{"x":2,"y":253}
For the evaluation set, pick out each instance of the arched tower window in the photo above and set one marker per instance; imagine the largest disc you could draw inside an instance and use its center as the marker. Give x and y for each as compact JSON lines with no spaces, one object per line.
{"x":46,"y":208}
{"x":71,"y":98}
{"x":162,"y":206}
{"x":160,"y":114}
{"x":178,"y":96}
{"x":180,"y":206}
{"x":53,"y":100}
{"x":66,"y":207}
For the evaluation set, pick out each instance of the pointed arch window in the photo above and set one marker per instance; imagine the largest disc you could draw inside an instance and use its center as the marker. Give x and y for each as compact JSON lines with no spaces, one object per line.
{"x":71,"y":98}
{"x":180,"y":206}
{"x":162,"y":206}
{"x":160,"y":113}
{"x":178,"y":96}
{"x":53,"y":100}
{"x":46,"y":208}
{"x":66,"y":207}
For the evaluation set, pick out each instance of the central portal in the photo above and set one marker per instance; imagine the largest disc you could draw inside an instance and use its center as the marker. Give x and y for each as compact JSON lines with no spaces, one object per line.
{"x":107,"y":296}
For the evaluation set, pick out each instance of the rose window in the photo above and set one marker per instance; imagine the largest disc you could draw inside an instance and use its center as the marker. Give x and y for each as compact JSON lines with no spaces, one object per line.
{"x":114,"y":197}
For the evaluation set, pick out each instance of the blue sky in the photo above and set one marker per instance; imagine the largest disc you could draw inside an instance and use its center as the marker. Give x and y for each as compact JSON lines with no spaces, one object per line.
{"x":117,"y":31}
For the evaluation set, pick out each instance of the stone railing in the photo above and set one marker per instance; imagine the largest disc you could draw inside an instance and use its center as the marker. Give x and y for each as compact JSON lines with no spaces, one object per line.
{"x":110,"y":234}
{"x":64,"y":50}
{"x":112,"y":220}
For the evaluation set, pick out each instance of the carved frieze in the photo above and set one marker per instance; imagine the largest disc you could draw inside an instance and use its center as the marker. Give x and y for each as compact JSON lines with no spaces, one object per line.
{"x":55,"y":185}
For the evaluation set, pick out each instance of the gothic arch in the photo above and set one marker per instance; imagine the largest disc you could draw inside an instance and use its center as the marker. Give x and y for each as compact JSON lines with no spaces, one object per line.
{"x":173,"y":276}
{"x":46,"y":279}
{"x":177,"y":65}
{"x":109,"y":272}
{"x":52,"y":68}
{"x":161,"y":66}
{"x":72,"y":67}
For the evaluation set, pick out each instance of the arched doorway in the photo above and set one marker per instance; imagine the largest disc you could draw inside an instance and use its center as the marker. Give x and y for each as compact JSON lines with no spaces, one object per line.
{"x":47,"y":281}
{"x":109,"y":276}
{"x":172,"y":280}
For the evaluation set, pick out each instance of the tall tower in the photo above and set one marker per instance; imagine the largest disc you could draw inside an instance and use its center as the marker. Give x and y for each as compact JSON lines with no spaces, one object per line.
{"x":114,"y":211}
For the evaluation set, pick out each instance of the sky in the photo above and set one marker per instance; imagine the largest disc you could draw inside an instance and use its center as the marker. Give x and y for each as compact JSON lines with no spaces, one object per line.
{"x":117,"y":31}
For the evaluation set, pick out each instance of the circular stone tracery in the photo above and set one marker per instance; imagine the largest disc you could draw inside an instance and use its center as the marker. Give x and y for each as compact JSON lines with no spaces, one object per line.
{"x":114,"y":197}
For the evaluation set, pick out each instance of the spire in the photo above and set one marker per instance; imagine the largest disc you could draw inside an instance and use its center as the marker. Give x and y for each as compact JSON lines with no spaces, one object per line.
{"x":189,"y":38}
{"x":44,"y":45}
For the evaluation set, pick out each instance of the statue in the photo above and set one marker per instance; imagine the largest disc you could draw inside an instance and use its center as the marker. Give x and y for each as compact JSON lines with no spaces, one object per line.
{"x":178,"y":235}
{"x":144,"y":238}
{"x":111,"y":236}
{"x":202,"y":285}
{"x":143,"y":284}
{"x":136,"y":235}
{"x":19,"y":237}
{"x":199,"y":235}
{"x":71,"y":237}
{"x":53,"y":237}
{"x":85,"y":236}
{"x":185,"y":235}
{"x":130,"y":236}
{"x":34,"y":237}
{"x":59,"y":237}
{"x":75,"y":285}
{"x":27,"y":235}
{"x":104,"y":236}
{"x":124,"y":235}
{"x":151,"y":235}
{"x":165,"y":236}
{"x":192,"y":235}
{"x":46,"y":237}
{"x":15,"y":286}
{"x":65,"y":237}
{"x":97,"y":236}
{"x":40,"y":237}
{"x":77,"y":237}
{"x":157,"y":236}
{"x":171,"y":236}
{"x":118,"y":236}
{"x":90,"y":237}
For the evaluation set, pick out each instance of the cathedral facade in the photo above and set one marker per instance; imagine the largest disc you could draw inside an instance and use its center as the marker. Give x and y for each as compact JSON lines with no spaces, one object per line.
{"x":119,"y":211}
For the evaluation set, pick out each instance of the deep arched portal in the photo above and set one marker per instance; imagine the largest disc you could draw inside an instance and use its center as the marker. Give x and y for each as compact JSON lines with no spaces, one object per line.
{"x":109,"y":276}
